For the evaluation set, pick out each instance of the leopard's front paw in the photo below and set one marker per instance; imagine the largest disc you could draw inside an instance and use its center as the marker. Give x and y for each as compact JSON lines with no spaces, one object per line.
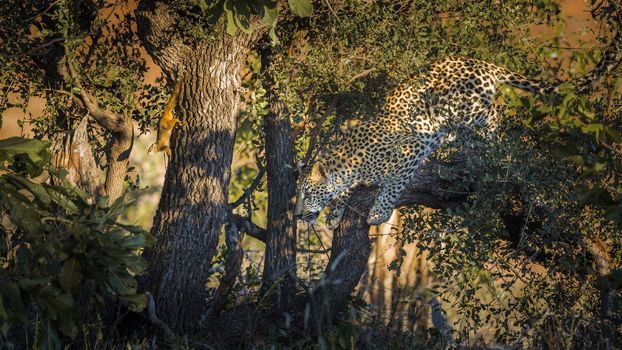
{"x":378,"y":216}
{"x":333,"y":217}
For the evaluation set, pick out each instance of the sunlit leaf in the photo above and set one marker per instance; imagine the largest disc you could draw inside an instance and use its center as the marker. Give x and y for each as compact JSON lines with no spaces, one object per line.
{"x":302,"y":8}
{"x":71,"y":274}
{"x":35,"y":149}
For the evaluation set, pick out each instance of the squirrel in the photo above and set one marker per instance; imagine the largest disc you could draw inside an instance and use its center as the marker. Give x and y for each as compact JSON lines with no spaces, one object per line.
{"x":167,"y":123}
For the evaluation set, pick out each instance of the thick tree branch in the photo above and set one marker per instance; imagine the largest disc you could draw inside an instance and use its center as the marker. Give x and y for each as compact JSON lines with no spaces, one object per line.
{"x":156,"y":24}
{"x":153,"y":317}
{"x":351,"y":245}
{"x":245,"y":225}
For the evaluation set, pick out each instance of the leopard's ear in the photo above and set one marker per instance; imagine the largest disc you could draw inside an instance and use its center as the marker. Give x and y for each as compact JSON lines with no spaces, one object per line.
{"x":300,"y":167}
{"x":319,"y":171}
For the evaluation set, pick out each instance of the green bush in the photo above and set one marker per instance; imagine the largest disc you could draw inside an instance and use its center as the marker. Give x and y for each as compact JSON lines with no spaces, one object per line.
{"x":53,"y":240}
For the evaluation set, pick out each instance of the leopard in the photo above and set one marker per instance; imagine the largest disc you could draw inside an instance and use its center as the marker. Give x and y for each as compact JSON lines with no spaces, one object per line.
{"x":417,"y":117}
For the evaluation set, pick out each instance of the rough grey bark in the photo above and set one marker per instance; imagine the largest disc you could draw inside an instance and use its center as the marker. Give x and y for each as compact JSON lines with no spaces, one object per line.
{"x":193,"y":207}
{"x":279,"y":275}
{"x":347,"y":263}
{"x":280,"y":258}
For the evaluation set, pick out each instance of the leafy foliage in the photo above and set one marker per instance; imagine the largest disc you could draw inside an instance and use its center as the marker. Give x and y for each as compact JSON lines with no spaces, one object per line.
{"x":554,"y":168}
{"x":237,"y":14}
{"x":56,"y":246}
{"x":99,"y":38}
{"x":511,"y":263}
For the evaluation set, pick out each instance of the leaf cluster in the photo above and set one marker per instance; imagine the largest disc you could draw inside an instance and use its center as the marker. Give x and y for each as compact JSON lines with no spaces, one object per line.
{"x":57,"y":246}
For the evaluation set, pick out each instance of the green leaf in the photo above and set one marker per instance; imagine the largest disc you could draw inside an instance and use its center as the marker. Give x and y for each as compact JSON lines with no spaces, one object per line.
{"x":230,"y":23}
{"x":241,"y":17}
{"x":592,"y":128}
{"x":35,"y":149}
{"x":301,"y":8}
{"x":13,"y":295}
{"x":202,"y":5}
{"x":70,"y":274}
{"x":65,"y":313}
{"x":36,"y":189}
{"x":21,"y":211}
{"x":117,"y":284}
{"x":136,"y":302}
{"x":611,"y":281}
{"x":48,"y":339}
{"x":612,"y":134}
{"x":270,"y":16}
{"x":62,"y":200}
{"x":614,"y":214}
{"x":4,"y":326}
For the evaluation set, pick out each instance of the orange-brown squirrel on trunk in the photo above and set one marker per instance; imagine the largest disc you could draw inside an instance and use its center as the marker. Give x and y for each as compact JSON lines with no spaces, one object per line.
{"x":167,"y":123}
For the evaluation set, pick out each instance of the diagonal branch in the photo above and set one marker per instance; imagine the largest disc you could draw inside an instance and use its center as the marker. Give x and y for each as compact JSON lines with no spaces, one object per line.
{"x":111,"y":121}
{"x":250,"y":189}
{"x":233,"y":263}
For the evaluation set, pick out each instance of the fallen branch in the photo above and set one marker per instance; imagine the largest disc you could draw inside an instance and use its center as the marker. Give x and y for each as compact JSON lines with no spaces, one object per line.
{"x":151,"y":310}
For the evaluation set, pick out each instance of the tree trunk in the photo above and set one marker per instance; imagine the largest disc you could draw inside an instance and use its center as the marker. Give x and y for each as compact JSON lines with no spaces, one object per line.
{"x":193,"y":207}
{"x":351,"y":245}
{"x":347,"y":263}
{"x":279,"y":275}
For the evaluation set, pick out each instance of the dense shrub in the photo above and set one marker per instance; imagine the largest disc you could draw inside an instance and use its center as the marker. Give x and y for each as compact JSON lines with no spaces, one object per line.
{"x":54,"y":240}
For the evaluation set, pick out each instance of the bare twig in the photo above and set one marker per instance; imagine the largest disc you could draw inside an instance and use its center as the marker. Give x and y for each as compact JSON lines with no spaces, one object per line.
{"x":34,"y":49}
{"x":611,"y":148}
{"x":314,"y":251}
{"x":362,"y":74}
{"x":247,"y":193}
{"x":315,"y":133}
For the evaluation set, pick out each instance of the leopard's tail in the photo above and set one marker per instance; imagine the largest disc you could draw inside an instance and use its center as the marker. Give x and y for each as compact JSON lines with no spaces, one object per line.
{"x":522,"y":82}
{"x":610,"y":60}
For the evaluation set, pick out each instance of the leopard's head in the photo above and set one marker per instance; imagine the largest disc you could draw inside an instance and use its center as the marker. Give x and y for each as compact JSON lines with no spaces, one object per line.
{"x":314,"y":192}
